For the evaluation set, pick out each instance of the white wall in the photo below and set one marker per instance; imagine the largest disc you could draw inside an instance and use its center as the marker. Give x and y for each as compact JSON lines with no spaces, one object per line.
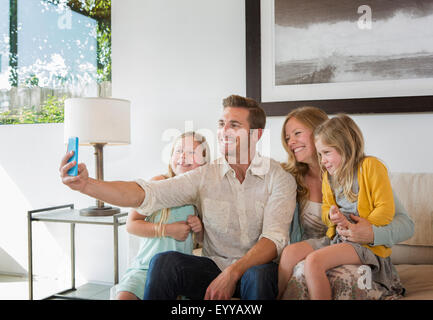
{"x":175,"y":60}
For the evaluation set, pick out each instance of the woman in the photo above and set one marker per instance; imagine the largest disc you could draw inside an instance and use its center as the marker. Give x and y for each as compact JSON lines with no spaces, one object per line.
{"x":303,"y":164}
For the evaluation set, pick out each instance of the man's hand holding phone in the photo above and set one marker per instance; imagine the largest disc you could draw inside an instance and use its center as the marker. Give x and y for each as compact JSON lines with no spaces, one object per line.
{"x":74,"y":175}
{"x":73,"y":146}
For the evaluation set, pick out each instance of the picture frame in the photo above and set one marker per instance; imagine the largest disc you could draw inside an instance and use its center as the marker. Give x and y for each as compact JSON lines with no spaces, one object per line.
{"x":379,"y":104}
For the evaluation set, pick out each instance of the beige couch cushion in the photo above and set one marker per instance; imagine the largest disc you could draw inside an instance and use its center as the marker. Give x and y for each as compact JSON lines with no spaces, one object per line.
{"x":415,"y":191}
{"x":408,"y":254}
{"x":417,"y":280}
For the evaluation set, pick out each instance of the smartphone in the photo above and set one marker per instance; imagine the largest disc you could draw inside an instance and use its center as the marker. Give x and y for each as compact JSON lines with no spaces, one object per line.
{"x":73,"y":146}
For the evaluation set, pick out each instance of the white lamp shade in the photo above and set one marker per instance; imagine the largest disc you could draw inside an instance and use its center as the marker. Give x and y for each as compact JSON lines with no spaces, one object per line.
{"x":97,"y":120}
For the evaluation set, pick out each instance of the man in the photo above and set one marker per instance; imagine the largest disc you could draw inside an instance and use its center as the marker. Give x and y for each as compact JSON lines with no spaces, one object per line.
{"x":246,"y":202}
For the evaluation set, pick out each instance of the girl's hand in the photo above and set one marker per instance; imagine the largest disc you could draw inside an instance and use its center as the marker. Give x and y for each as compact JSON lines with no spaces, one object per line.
{"x":334,"y":214}
{"x":337,"y":217}
{"x":195,"y":223}
{"x":360,"y":232}
{"x":177,"y":230}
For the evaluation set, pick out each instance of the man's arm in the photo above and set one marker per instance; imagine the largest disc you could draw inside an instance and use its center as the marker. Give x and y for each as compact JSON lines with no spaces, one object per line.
{"x":119,"y":193}
{"x":173,"y":192}
{"x":400,"y":229}
{"x":145,"y":196}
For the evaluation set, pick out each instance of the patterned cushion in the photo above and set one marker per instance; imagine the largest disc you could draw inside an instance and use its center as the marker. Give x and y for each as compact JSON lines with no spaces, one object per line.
{"x":348,"y":282}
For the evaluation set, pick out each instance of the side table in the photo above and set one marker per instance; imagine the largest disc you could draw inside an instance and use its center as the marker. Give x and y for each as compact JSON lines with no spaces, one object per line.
{"x":67,"y":214}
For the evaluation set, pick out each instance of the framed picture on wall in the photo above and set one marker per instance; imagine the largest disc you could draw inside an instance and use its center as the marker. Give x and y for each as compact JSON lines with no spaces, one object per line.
{"x":341,"y":56}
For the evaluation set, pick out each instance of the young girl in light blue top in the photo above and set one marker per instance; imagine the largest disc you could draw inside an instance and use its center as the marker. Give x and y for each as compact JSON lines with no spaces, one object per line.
{"x":168,"y":229}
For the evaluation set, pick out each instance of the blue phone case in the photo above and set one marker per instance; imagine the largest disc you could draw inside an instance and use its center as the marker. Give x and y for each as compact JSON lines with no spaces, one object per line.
{"x":73,"y":145}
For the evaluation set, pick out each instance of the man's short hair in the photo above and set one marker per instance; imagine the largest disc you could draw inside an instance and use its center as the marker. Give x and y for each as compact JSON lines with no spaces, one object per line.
{"x":256,"y":117}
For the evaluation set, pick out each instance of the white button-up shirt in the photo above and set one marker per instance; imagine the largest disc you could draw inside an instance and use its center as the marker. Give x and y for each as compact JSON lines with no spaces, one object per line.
{"x":235,"y":216}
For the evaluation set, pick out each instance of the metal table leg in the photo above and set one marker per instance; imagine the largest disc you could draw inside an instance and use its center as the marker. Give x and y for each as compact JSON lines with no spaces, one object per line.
{"x":73,"y":256}
{"x":116,"y":250}
{"x":30,"y":254}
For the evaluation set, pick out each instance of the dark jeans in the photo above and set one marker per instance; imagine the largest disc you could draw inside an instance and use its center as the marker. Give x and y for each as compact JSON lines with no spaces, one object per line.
{"x":173,"y":273}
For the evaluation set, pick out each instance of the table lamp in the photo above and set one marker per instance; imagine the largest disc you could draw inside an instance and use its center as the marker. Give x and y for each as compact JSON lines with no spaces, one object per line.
{"x":98,"y":122}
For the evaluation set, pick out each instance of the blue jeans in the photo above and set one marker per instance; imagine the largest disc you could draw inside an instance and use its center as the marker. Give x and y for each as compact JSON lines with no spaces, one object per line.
{"x":173,"y":273}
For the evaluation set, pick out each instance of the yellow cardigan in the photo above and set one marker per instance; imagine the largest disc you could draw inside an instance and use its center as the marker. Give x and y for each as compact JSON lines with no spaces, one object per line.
{"x":375,"y":199}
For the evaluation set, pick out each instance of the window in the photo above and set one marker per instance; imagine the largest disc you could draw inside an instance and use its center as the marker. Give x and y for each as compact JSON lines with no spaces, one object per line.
{"x":51,"y":50}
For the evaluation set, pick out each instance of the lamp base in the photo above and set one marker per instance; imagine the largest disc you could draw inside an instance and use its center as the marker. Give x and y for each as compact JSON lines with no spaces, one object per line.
{"x":95,"y":211}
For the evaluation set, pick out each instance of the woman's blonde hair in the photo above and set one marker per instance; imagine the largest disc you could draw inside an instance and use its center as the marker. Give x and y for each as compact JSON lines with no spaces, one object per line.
{"x":311,"y":117}
{"x":343,"y":134}
{"x":197,"y":137}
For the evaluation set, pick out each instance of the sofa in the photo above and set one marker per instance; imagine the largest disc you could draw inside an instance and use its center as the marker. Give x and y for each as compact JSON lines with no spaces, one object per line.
{"x":413,"y":258}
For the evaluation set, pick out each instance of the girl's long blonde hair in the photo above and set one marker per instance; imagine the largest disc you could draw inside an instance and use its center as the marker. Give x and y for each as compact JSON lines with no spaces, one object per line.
{"x":165,"y":213}
{"x":311,"y":117}
{"x":343,"y":134}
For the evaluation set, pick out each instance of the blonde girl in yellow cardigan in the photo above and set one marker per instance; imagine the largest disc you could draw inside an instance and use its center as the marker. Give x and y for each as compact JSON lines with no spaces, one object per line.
{"x":352,"y":183}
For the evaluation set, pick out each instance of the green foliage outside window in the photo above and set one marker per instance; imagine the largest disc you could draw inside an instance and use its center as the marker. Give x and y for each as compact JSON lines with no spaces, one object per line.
{"x":104,"y":54}
{"x":100,"y":9}
{"x":51,"y":111}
